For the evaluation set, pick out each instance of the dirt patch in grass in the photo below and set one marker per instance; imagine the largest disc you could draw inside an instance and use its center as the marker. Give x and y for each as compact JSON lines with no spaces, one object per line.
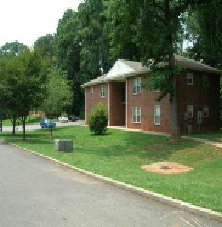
{"x":166,"y":168}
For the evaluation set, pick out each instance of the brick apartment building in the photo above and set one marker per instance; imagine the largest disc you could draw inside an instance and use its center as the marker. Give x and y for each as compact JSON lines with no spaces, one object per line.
{"x":198,"y":98}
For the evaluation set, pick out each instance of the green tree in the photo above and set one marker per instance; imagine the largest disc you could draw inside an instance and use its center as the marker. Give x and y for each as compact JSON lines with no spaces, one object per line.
{"x":204,"y":31}
{"x":24,"y":76}
{"x":59,"y":95}
{"x":12,"y":49}
{"x":153,"y":26}
{"x":47,"y":44}
{"x":98,"y":119}
{"x":68,"y":55}
{"x":4,"y":91}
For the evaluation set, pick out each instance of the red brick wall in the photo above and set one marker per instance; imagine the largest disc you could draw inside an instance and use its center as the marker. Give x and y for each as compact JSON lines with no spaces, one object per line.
{"x":90,"y":103}
{"x":147,"y":100}
{"x":198,"y":96}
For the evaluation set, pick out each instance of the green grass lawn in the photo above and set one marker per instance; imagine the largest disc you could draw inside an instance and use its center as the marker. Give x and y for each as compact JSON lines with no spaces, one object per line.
{"x":30,"y":120}
{"x":213,"y":136}
{"x":119,"y":155}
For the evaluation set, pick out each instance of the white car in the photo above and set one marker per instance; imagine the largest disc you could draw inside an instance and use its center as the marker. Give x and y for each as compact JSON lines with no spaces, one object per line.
{"x":63,"y":119}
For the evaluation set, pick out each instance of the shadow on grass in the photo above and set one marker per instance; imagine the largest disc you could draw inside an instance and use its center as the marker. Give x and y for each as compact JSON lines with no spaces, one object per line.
{"x":137,"y":145}
{"x":116,"y":143}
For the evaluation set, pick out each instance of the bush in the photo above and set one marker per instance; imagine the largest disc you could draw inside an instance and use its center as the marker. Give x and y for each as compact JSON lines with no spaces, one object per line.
{"x":98,"y":119}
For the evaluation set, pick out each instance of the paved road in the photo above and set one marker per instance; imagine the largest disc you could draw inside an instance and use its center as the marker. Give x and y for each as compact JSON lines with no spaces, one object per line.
{"x":35,"y":192}
{"x":37,"y":126}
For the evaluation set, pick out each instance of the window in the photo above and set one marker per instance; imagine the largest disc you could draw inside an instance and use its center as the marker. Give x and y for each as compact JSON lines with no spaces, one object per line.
{"x":136,"y":114}
{"x":91,"y":92}
{"x":190,"y":78}
{"x":103,"y":91}
{"x":157,"y":90}
{"x":206,"y":80}
{"x":190,"y":111}
{"x":206,"y":111}
{"x":137,"y":85}
{"x":157,"y":115}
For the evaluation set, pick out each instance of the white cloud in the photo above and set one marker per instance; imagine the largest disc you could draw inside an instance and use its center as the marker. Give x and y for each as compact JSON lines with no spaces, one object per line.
{"x":26,"y":20}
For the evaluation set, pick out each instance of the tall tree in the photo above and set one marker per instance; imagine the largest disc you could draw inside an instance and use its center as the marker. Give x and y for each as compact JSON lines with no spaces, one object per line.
{"x":204,"y":31}
{"x":58,"y":96}
{"x":68,"y":54}
{"x":25,"y":76}
{"x":155,"y":31}
{"x":12,"y":49}
{"x":47,"y":45}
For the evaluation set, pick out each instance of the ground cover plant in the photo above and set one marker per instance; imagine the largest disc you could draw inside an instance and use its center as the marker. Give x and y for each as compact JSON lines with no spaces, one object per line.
{"x":119,"y":154}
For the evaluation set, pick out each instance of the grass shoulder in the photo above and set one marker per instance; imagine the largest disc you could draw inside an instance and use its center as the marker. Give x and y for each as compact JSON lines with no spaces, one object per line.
{"x":120,"y":154}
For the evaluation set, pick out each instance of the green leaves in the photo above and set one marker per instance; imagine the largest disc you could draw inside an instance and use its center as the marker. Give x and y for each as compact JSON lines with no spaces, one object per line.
{"x":58,"y":93}
{"x":98,"y":119}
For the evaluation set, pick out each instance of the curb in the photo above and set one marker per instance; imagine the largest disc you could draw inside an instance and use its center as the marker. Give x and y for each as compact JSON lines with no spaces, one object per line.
{"x":207,"y":213}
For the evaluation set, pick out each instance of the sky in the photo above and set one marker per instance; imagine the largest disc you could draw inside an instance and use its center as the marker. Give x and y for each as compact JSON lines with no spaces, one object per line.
{"x":27,"y":20}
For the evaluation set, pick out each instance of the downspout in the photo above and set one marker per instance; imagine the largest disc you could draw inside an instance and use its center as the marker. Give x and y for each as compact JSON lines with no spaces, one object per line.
{"x":108,"y":106}
{"x":85,"y":106}
{"x":126,"y":103}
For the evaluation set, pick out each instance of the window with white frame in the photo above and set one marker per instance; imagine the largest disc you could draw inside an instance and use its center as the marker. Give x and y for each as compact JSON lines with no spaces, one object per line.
{"x":137,"y":85}
{"x":189,"y":110}
{"x":91,"y":92}
{"x":189,"y":78}
{"x":136,"y":114}
{"x":206,"y":111}
{"x":157,"y":90}
{"x":206,"y":80}
{"x":157,"y":115}
{"x":103,"y":91}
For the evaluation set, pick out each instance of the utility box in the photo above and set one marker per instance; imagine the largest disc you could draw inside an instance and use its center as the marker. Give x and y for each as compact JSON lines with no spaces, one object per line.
{"x":65,"y":145}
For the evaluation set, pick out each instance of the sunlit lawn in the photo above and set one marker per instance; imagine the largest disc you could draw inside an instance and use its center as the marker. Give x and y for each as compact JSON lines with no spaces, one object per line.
{"x":30,"y":120}
{"x":119,"y":155}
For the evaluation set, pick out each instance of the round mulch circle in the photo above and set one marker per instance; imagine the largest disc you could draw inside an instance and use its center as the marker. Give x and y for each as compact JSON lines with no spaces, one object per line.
{"x":166,"y":168}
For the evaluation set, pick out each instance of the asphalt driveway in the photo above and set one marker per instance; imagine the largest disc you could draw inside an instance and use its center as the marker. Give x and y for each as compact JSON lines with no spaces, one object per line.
{"x":35,"y":192}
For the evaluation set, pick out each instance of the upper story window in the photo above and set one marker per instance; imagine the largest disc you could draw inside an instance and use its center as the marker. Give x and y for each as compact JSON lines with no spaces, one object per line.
{"x":206,"y":111}
{"x":157,"y":115}
{"x":189,"y":78}
{"x":189,"y":110}
{"x":103,"y":91}
{"x":91,"y":92}
{"x":136,"y":114}
{"x":137,"y":85}
{"x":206,"y":80}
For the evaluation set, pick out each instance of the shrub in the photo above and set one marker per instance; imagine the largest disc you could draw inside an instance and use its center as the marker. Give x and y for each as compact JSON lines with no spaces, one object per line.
{"x":98,"y":119}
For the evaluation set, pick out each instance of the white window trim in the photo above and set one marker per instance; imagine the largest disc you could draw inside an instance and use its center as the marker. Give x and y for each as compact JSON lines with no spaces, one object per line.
{"x":137,"y":85}
{"x":136,"y":110}
{"x":157,"y":90}
{"x":206,"y":80}
{"x":103,"y":91}
{"x":156,"y":123}
{"x":207,"y":112}
{"x":191,"y":77}
{"x":189,"y":107}
{"x":91,"y":92}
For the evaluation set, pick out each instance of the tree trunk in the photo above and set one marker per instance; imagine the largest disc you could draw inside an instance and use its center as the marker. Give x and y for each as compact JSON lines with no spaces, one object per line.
{"x":51,"y":130}
{"x":13,"y":124}
{"x":175,"y":128}
{"x":23,"y":127}
{"x":1,"y":124}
